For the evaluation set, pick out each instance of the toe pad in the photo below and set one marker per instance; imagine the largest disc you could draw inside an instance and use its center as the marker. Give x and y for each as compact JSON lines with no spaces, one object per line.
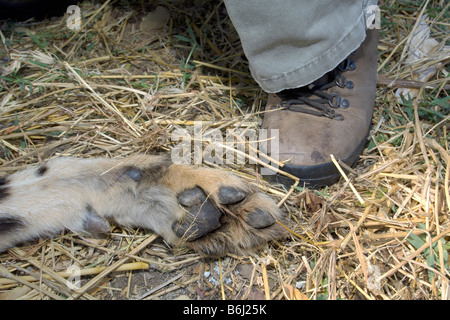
{"x":201,"y":218}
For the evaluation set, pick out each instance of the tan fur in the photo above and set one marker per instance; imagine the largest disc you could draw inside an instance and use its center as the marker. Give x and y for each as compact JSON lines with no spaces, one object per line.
{"x":71,"y":192}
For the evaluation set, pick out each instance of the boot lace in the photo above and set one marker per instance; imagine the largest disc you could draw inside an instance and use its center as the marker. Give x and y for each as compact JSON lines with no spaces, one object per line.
{"x":314,"y":99}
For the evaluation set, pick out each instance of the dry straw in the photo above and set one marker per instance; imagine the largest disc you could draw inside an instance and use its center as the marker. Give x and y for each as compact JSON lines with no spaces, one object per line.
{"x":112,"y":89}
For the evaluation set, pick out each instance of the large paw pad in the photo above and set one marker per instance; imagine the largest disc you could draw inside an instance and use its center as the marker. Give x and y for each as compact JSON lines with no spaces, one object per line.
{"x":231,"y":221}
{"x":201,"y":217}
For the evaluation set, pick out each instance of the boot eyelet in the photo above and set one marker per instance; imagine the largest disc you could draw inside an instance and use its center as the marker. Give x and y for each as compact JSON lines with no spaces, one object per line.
{"x":350,"y":85}
{"x":346,"y":65}
{"x":344,"y":104}
{"x":335,"y":101}
{"x":351,"y":66}
{"x":340,"y":81}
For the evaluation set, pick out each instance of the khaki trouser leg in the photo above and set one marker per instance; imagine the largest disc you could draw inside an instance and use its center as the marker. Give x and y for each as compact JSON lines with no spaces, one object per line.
{"x":290,"y":43}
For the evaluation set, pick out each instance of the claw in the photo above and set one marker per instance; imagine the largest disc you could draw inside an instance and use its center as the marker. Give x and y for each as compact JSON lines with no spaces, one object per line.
{"x":95,"y":224}
{"x":192,"y":197}
{"x":259,"y":219}
{"x":134,"y":173}
{"x":229,"y":195}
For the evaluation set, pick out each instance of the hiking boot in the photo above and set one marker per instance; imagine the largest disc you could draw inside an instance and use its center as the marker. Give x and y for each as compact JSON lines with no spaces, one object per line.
{"x":333,"y":115}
